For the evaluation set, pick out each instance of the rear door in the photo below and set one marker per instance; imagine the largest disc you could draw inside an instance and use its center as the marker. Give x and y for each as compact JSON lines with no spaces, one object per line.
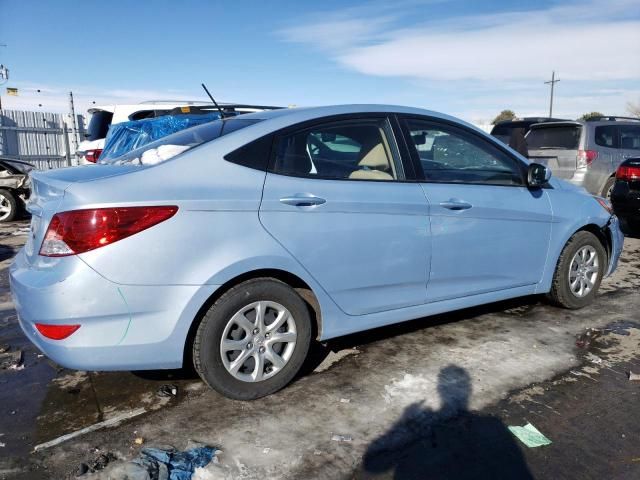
{"x":489,"y":232}
{"x":556,"y":145}
{"x":337,"y":197}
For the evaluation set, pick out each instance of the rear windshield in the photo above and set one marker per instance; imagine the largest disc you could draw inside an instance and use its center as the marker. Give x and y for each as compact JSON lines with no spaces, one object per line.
{"x":171,"y":145}
{"x":99,"y":125}
{"x":566,"y":137}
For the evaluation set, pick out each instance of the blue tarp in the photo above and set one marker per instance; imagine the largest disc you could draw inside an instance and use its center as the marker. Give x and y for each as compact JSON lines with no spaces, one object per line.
{"x":126,"y":136}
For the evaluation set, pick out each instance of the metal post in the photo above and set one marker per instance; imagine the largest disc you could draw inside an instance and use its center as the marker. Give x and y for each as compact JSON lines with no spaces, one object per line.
{"x":74,"y":124}
{"x":553,"y":81}
{"x":65,"y":134}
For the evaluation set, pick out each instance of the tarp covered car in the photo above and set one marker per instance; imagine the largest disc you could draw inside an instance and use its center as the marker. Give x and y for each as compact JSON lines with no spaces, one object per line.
{"x":126,"y":136}
{"x":14,"y":187}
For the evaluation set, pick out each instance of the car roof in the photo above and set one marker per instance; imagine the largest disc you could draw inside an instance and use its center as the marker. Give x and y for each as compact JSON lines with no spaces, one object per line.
{"x":301,"y":114}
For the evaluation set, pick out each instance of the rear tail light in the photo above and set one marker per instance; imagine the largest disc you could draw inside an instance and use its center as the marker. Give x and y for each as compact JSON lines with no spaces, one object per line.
{"x":56,"y":332}
{"x":92,"y":155}
{"x":78,"y":231}
{"x":586,"y":157}
{"x":628,"y":173}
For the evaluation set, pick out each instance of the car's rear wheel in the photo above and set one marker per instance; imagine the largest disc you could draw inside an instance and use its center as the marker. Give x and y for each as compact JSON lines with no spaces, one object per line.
{"x":579,"y":271}
{"x":253,"y":340}
{"x":608,"y":188}
{"x":8,"y":206}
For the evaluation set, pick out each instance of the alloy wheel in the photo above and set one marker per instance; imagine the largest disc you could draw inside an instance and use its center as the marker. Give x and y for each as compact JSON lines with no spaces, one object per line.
{"x":5,"y":207}
{"x":583,"y":271}
{"x":258,"y":341}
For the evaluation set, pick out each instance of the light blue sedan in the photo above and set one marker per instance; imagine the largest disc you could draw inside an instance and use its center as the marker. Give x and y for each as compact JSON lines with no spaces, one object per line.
{"x":238,"y":242}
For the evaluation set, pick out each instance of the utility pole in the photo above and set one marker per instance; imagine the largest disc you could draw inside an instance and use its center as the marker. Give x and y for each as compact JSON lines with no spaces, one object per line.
{"x":552,"y":82}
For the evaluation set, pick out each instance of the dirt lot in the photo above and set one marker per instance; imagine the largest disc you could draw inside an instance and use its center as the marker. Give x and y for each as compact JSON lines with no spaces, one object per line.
{"x":431,"y":398}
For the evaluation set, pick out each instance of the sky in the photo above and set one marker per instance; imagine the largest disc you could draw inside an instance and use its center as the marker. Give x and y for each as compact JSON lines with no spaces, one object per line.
{"x":470,"y":59}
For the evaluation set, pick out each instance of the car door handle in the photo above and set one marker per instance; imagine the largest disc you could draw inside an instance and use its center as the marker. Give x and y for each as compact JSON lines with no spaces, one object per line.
{"x":303,"y":200}
{"x":455,"y":204}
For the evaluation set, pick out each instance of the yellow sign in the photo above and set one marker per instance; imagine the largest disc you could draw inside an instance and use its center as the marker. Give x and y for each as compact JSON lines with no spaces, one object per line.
{"x":12,"y":91}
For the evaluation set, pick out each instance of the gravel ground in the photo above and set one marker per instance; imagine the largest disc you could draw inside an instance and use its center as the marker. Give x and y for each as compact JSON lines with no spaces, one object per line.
{"x":431,"y":398}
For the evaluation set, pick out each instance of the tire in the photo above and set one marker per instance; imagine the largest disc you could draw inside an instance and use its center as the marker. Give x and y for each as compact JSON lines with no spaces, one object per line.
{"x":608,"y":187}
{"x":225,"y":320}
{"x":561,"y":290}
{"x":8,"y":206}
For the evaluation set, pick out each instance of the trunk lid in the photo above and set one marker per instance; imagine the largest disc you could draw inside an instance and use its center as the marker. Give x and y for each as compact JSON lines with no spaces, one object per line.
{"x":563,"y":163}
{"x":556,"y":145}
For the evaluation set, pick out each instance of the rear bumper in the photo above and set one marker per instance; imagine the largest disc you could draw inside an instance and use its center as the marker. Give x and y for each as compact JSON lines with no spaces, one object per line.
{"x":123,"y":327}
{"x":617,"y":243}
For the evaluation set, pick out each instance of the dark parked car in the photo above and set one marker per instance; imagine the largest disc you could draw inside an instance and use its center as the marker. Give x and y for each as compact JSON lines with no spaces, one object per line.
{"x":14,"y":187}
{"x":502,"y":130}
{"x":625,"y":195}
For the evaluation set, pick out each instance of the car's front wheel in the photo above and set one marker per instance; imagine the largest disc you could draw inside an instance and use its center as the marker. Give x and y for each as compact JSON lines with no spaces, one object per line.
{"x":253,"y":340}
{"x":579,"y":271}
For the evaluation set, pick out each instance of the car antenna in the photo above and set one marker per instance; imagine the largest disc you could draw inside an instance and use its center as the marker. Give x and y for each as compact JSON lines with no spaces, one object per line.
{"x":213,"y":100}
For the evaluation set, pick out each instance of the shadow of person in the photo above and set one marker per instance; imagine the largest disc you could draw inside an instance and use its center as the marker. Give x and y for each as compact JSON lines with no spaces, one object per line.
{"x":450,"y":443}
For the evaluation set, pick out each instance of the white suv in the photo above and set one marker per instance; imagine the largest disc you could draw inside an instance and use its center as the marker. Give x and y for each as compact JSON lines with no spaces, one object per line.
{"x":101,"y":118}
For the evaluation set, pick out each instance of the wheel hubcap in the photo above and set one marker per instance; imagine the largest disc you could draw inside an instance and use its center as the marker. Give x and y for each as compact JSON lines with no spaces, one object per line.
{"x":583,"y":271}
{"x":258,"y":341}
{"x":5,"y":207}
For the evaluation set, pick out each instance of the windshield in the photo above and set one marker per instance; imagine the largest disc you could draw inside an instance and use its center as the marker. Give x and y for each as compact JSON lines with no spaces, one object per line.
{"x":98,"y":125}
{"x":171,"y":145}
{"x":564,"y":137}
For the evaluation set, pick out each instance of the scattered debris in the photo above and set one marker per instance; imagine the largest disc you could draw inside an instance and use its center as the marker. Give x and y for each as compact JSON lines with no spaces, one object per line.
{"x":11,"y":360}
{"x":594,"y":358}
{"x":588,"y":337}
{"x":530,"y":436}
{"x":98,"y":463}
{"x":345,"y":400}
{"x":138,"y":440}
{"x":266,"y":450}
{"x":168,"y":391}
{"x":82,"y":469}
{"x":341,"y":438}
{"x":162,"y":464}
{"x":4,"y":348}
{"x":107,"y":423}
{"x":634,"y":377}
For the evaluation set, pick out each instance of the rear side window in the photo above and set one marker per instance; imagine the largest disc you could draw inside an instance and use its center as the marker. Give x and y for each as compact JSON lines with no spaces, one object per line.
{"x":630,"y":137}
{"x":354,"y":150}
{"x":606,"y":136}
{"x":99,"y":125}
{"x":565,"y":137}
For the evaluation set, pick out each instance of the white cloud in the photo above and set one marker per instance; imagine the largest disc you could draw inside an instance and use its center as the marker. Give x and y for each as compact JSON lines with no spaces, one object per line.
{"x":582,"y":40}
{"x":485,"y":62}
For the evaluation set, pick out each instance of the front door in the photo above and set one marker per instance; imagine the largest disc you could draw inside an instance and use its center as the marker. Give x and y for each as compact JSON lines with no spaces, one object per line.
{"x":336,"y":199}
{"x":489,"y":231}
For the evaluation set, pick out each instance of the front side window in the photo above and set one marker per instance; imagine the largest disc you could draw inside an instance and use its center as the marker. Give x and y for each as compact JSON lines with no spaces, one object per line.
{"x":354,"y":150}
{"x":630,"y":137}
{"x":451,"y":155}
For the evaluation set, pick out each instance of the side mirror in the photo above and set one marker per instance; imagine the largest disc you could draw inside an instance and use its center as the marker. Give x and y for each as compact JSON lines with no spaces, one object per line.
{"x":538,"y":175}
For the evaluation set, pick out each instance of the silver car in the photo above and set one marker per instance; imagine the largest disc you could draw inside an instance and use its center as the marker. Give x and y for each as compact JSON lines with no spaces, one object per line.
{"x":586,"y":153}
